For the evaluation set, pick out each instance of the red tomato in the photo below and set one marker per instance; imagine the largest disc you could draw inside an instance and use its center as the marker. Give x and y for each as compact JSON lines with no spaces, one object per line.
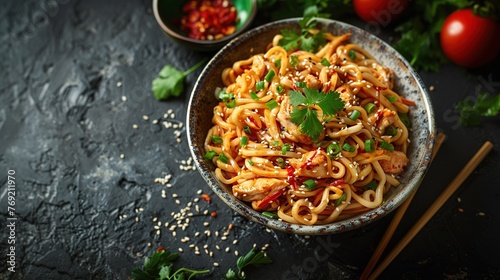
{"x":470,"y":40}
{"x":382,"y":12}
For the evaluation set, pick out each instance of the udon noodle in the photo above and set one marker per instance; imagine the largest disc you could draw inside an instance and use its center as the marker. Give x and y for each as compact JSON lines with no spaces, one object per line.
{"x":287,"y":174}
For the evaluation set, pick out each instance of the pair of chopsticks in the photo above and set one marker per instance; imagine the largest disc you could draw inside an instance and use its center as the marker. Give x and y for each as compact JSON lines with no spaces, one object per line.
{"x":431,"y":211}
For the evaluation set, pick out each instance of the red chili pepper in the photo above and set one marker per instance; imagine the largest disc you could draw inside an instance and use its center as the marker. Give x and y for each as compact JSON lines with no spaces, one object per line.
{"x":160,"y":249}
{"x":408,"y":102}
{"x":208,"y":20}
{"x":213,"y":214}
{"x":337,"y":182}
{"x":206,"y":197}
{"x":291,"y":176}
{"x":270,"y":198}
{"x":309,"y":160}
{"x":379,"y":88}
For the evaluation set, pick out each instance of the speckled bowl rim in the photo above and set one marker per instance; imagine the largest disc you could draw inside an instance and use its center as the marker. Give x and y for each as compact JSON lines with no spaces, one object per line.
{"x":205,"y":43}
{"x":422,"y":117}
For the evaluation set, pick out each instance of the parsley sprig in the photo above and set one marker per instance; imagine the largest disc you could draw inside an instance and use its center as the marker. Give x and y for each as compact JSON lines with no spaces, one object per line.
{"x":170,"y":81}
{"x":305,"y":114}
{"x":472,"y":111}
{"x":161,"y":266}
{"x":251,"y":258}
{"x":306,"y":39}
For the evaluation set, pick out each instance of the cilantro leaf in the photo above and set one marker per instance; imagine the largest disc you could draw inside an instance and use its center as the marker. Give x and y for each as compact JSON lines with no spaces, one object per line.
{"x":254,"y":258}
{"x":331,"y":103}
{"x":161,"y":266}
{"x":306,"y":39}
{"x":170,"y":81}
{"x":305,"y":115}
{"x":484,"y":106}
{"x":311,"y":125}
{"x":290,"y":39}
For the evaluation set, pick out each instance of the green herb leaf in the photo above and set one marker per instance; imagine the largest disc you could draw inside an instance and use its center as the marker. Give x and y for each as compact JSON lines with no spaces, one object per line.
{"x":251,"y":258}
{"x":305,"y":40}
{"x":471,"y":111}
{"x":170,"y":81}
{"x":161,"y":266}
{"x":306,"y":117}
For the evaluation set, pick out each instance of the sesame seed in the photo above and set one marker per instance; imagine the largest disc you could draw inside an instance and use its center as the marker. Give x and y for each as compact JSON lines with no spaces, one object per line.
{"x":181,"y":250}
{"x":216,"y":264}
{"x":124,"y":98}
{"x":145,"y":117}
{"x":119,"y":84}
{"x":134,"y":126}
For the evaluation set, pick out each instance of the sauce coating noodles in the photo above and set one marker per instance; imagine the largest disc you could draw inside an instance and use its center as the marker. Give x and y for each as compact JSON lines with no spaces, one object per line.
{"x":270,"y":162}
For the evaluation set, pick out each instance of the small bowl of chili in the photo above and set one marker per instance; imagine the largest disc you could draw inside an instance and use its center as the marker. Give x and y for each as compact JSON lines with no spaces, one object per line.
{"x":204,"y":25}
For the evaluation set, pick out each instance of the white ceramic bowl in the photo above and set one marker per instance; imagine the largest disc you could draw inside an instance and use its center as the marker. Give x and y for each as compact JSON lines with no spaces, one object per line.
{"x":408,"y":84}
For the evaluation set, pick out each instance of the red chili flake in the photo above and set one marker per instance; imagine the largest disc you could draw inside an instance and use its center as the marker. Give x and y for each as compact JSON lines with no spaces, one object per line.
{"x":206,"y":197}
{"x":214,"y":214}
{"x":208,"y":20}
{"x":160,"y":249}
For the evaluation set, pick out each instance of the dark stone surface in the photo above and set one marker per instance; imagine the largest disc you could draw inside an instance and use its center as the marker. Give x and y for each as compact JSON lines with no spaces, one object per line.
{"x":75,"y":78}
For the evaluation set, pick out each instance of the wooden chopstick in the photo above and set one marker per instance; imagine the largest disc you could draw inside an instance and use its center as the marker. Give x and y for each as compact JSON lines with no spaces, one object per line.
{"x":396,"y":219}
{"x":445,"y":195}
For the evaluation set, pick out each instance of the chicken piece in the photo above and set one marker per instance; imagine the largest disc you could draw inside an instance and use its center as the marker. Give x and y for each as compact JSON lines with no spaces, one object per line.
{"x":387,"y":119}
{"x":382,"y":119}
{"x":259,"y":65}
{"x":257,"y":189}
{"x":289,"y":127}
{"x":313,"y":82}
{"x":312,"y":164}
{"x":346,"y":94}
{"x":395,"y":164}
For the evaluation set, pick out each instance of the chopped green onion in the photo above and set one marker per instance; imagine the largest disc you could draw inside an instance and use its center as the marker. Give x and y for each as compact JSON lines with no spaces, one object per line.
{"x":370,"y":107}
{"x":254,"y":95}
{"x":279,"y":88}
{"x":387,"y":146}
{"x":250,"y":162}
{"x":371,"y":186}
{"x":300,"y":84}
{"x":231,"y":104}
{"x":352,"y":54}
{"x":369,"y":145}
{"x":294,"y":61}
{"x":210,"y":155}
{"x":216,"y":139}
{"x":275,"y":143}
{"x":269,"y":76}
{"x":223,"y":158}
{"x":405,"y":119}
{"x":247,"y":129}
{"x":325,"y":62}
{"x":224,"y":96}
{"x":333,"y":149}
{"x":391,"y":131}
{"x":260,"y":85}
{"x":310,"y":184}
{"x":280,"y":162}
{"x":348,"y":147}
{"x":285,"y":148}
{"x":271,"y":104}
{"x":271,"y":215}
{"x":354,"y":115}
{"x":391,"y":98}
{"x":277,"y":63}
{"x":340,"y":200}
{"x":244,"y":140}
